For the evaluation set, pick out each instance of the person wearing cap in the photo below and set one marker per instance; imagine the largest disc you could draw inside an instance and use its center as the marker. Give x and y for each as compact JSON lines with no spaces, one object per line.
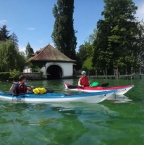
{"x":83,"y":81}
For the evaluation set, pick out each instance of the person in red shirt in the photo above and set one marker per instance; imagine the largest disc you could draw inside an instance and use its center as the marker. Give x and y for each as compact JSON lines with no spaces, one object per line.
{"x":83,"y":81}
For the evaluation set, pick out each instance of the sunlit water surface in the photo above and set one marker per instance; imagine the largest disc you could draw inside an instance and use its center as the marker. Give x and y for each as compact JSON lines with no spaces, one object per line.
{"x":106,"y":123}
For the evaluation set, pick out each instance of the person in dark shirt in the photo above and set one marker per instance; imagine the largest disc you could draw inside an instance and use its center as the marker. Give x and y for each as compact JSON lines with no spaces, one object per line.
{"x":21,"y":86}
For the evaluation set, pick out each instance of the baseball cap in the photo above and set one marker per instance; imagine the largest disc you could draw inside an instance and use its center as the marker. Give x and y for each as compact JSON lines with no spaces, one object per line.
{"x":83,"y":72}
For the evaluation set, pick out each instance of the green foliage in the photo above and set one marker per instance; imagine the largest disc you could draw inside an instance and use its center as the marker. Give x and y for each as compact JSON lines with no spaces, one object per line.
{"x":93,"y":36}
{"x":20,"y":61}
{"x":81,"y":56}
{"x":10,"y":58}
{"x":4,"y":75}
{"x":4,"y":33}
{"x":114,"y":46}
{"x":88,"y":64}
{"x":89,"y":50}
{"x":29,"y":51}
{"x":14,"y":74}
{"x":36,"y":65}
{"x":85,"y":53}
{"x":14,"y":39}
{"x":36,"y":69}
{"x":64,"y":34}
{"x":138,"y":55}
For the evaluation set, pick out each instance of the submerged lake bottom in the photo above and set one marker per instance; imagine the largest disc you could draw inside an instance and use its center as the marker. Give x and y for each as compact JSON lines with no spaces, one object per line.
{"x":105,"y":123}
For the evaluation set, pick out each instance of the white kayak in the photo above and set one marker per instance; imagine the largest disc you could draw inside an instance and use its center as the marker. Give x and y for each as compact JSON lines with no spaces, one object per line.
{"x":55,"y":97}
{"x":120,"y":90}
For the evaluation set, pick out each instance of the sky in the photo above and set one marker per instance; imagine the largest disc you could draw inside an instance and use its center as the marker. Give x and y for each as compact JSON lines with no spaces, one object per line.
{"x":33,"y":21}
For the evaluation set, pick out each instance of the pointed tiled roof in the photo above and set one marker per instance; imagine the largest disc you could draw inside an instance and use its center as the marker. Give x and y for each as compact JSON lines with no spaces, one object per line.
{"x":49,"y":53}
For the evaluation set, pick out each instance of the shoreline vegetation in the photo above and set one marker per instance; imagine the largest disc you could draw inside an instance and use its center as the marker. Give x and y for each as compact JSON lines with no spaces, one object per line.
{"x":33,"y":77}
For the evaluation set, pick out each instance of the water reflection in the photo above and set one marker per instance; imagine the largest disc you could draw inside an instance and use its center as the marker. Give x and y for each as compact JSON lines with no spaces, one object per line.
{"x":120,"y":99}
{"x":73,"y":123}
{"x":64,"y":130}
{"x":83,"y":108}
{"x":90,"y":119}
{"x":59,"y":123}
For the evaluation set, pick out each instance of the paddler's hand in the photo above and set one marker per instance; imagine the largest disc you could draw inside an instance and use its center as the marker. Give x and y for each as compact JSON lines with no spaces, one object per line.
{"x":32,"y":87}
{"x":82,"y":86}
{"x":13,"y":84}
{"x":12,"y":87}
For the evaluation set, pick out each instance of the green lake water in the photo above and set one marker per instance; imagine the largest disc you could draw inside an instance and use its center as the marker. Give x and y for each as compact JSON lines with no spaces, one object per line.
{"x":105,"y":123}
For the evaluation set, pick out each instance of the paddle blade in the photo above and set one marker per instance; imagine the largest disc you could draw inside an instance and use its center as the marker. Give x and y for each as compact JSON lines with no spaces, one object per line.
{"x":104,"y":85}
{"x":72,"y":87}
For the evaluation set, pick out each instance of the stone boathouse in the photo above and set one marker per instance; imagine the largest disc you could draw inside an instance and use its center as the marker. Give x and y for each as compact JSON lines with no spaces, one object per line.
{"x":54,"y":64}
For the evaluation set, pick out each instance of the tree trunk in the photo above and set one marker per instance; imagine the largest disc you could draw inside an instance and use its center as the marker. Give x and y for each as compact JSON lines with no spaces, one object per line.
{"x":117,"y":74}
{"x":106,"y":73}
{"x":140,"y":70}
{"x":96,"y":74}
{"x":126,"y":71}
{"x":88,"y":74}
{"x":114,"y":71}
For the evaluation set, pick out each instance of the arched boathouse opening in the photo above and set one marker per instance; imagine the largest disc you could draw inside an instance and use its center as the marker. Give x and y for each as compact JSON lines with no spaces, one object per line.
{"x":54,"y":72}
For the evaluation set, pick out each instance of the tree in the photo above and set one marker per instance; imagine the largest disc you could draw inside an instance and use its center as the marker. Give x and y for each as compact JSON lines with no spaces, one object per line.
{"x":116,"y":35}
{"x":64,"y":34}
{"x":10,"y":58}
{"x":89,"y":50}
{"x":20,"y":61}
{"x":4,"y":33}
{"x":88,"y":64}
{"x":29,"y":51}
{"x":93,"y":36}
{"x":14,"y":39}
{"x":85,"y":52}
{"x":81,"y":56}
{"x":138,"y":55}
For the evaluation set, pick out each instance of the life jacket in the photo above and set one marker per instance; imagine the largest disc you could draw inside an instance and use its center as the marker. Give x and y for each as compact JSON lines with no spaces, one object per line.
{"x":21,"y":88}
{"x":84,"y":81}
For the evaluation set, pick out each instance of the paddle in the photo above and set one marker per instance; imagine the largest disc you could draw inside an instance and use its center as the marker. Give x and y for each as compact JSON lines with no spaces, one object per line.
{"x":104,"y":85}
{"x":74,"y":86}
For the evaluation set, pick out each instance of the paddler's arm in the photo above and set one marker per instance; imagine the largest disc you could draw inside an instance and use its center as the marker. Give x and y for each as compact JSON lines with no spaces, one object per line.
{"x":12,"y":88}
{"x":30,"y":88}
{"x":79,"y":83}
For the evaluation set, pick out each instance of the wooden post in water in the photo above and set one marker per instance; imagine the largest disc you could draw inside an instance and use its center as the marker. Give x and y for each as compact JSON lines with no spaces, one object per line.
{"x":113,"y":74}
{"x":104,"y":74}
{"x":117,"y":73}
{"x":126,"y":73}
{"x":96,"y":74}
{"x":140,"y":72}
{"x":131,"y":73}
